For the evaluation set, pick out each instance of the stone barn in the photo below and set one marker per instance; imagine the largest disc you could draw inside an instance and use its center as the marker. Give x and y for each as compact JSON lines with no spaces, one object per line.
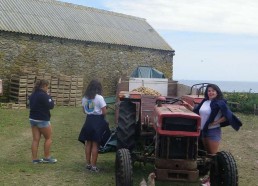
{"x":73,"y":40}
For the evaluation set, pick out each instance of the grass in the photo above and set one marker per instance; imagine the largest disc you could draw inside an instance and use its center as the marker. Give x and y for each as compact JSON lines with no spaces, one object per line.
{"x":16,"y":166}
{"x":15,"y":158}
{"x":15,"y":155}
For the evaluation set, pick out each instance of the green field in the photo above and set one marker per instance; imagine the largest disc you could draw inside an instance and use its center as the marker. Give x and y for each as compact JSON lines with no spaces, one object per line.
{"x":15,"y":155}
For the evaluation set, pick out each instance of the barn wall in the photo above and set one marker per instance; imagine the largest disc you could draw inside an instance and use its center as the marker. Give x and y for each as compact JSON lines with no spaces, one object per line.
{"x":91,"y":60}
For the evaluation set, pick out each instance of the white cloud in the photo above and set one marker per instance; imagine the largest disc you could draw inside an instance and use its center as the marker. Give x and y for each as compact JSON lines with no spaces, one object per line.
{"x":200,"y":54}
{"x":220,"y":16}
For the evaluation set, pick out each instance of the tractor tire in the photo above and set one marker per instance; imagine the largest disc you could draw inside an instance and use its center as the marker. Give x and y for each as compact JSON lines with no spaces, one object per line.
{"x":124,"y":170}
{"x":126,"y":125}
{"x":223,"y":170}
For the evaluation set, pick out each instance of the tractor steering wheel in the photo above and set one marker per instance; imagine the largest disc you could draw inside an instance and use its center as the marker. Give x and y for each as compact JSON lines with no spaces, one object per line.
{"x":169,"y":101}
{"x":173,"y":100}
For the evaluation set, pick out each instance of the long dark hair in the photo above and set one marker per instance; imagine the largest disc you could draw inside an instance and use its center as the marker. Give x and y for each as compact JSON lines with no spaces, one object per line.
{"x":92,"y":89}
{"x":39,"y":84}
{"x":216,"y":88}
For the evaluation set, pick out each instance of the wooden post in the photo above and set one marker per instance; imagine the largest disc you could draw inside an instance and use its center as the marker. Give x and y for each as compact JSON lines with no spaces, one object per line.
{"x":1,"y":87}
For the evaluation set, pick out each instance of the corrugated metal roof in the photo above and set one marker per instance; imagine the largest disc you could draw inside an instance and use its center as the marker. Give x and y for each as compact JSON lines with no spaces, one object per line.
{"x":65,"y":20}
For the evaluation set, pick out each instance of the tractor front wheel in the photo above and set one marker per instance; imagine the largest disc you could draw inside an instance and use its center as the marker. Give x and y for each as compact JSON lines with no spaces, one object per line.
{"x":124,"y":172}
{"x":223,"y":170}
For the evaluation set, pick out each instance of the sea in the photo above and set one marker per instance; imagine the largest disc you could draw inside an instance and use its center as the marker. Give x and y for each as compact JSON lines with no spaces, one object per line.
{"x":227,"y":86}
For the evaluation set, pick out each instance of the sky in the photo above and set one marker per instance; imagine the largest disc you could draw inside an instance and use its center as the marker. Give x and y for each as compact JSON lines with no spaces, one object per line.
{"x":213,"y":40}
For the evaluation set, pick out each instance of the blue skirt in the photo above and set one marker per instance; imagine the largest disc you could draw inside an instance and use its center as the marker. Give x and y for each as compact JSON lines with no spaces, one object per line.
{"x":93,"y":129}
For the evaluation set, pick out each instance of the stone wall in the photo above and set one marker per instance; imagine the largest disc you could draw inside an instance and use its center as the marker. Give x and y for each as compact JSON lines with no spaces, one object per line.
{"x":91,"y":60}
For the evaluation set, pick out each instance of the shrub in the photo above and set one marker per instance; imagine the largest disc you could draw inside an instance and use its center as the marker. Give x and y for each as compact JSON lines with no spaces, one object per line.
{"x":246,"y":101}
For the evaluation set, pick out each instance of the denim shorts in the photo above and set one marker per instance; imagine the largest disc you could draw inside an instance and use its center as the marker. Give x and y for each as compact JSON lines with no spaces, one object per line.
{"x":213,"y":134}
{"x":39,"y":124}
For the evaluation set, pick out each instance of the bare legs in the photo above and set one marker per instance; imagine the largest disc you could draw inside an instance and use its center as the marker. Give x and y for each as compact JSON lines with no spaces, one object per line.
{"x":35,"y":142}
{"x":211,"y":146}
{"x":91,"y":152}
{"x":36,"y":134}
{"x":88,"y":145}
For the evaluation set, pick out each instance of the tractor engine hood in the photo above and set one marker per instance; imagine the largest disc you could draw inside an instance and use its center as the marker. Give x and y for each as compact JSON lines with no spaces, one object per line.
{"x":176,"y":120}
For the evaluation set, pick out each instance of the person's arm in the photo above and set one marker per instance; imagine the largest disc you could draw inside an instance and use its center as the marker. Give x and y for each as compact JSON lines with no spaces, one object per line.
{"x":187,"y":105}
{"x":104,"y":110}
{"x":196,"y":108}
{"x":47,"y":100}
{"x":220,"y":120}
{"x":83,"y":110}
{"x":83,"y":104}
{"x":51,"y":102}
{"x":103,"y":105}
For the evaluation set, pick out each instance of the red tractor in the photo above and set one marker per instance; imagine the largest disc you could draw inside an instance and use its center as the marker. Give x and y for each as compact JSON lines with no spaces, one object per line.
{"x":161,"y":131}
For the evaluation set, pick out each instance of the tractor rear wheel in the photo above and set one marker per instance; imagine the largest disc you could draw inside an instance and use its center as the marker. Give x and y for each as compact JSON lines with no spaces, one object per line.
{"x":124,"y":172}
{"x":126,"y":125}
{"x":223,"y":170}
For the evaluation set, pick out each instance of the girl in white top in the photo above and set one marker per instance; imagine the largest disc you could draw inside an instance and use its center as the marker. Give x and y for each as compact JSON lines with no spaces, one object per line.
{"x":94,"y":106}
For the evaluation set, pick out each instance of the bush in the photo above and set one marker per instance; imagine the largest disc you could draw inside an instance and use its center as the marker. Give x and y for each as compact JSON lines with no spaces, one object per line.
{"x":246,"y":101}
